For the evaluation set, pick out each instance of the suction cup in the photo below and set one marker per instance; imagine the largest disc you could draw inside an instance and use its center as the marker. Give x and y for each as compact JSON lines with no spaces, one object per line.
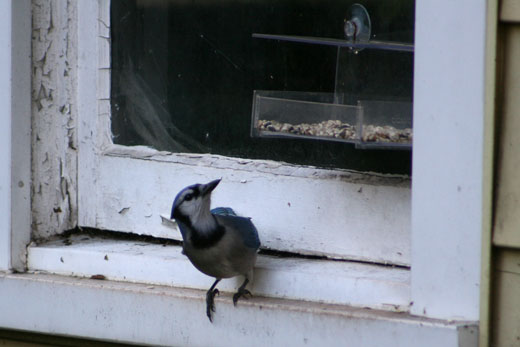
{"x":358,"y":27}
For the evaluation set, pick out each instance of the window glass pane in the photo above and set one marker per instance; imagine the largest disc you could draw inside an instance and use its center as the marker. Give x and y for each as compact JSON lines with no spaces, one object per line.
{"x":184,"y":74}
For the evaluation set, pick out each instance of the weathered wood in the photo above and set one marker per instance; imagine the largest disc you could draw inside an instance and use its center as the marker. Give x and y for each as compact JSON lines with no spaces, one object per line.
{"x":54,"y":117}
{"x":298,"y":209}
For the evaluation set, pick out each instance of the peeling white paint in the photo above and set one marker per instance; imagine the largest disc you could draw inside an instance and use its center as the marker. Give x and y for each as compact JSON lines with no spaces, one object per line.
{"x":54,"y":138}
{"x":271,"y":167}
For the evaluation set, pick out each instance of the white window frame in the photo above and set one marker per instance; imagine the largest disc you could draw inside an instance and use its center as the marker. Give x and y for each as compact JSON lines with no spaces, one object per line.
{"x":337,"y":213}
{"x":448,"y":218}
{"x":15,"y":133}
{"x":461,"y":235}
{"x":5,"y":138}
{"x":105,"y":201}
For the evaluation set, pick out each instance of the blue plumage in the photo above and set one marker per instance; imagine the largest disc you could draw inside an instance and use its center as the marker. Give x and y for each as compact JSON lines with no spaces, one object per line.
{"x":223,"y":211}
{"x":217,"y":242}
{"x":246,"y":227}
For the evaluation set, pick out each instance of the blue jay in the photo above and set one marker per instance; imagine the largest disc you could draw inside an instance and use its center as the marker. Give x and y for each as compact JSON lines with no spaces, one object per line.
{"x":217,"y":242}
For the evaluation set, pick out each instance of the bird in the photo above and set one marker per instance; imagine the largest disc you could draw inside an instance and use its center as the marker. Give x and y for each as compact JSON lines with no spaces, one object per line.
{"x":217,"y":242}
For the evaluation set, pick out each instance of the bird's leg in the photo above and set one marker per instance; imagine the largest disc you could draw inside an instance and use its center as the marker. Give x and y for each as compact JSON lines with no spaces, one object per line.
{"x":210,"y":295}
{"x":242,"y":291}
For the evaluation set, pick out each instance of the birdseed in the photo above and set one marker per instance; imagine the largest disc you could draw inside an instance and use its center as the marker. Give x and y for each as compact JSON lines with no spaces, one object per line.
{"x":328,"y":128}
{"x":340,"y":130}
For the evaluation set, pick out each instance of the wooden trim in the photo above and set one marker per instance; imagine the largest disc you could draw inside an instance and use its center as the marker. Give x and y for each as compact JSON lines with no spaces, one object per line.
{"x":339,"y":282}
{"x":161,"y":315}
{"x":488,"y":168}
{"x":510,"y":11}
{"x":507,"y":209}
{"x":448,"y":171}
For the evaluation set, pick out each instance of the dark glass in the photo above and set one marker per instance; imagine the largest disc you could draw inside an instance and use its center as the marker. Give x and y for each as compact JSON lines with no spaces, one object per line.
{"x":184,"y":72}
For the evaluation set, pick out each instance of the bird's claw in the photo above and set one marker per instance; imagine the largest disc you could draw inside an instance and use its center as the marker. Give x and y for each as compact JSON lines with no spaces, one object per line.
{"x":241,"y":292}
{"x":210,"y":303}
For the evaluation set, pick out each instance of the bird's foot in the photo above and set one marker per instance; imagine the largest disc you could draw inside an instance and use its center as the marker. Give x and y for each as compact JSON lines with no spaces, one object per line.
{"x":210,"y":304}
{"x":241,"y":292}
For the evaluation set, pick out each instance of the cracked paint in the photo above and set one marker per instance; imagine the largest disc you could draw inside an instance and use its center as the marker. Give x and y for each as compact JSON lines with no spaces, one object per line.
{"x":54,"y":138}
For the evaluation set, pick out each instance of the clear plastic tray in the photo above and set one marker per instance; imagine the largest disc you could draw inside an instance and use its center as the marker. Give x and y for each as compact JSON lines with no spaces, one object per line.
{"x":369,"y":124}
{"x":305,"y":115}
{"x":385,"y":124}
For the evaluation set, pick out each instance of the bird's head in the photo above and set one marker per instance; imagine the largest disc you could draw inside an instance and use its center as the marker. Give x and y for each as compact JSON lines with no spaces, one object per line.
{"x":193,"y":202}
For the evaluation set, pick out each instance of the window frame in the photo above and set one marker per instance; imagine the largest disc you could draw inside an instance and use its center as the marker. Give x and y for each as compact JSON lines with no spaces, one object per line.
{"x":455,"y":240}
{"x":5,"y":138}
{"x":379,"y":205}
{"x":100,"y":195}
{"x":15,"y":134}
{"x":451,"y":220}
{"x":454,"y":246}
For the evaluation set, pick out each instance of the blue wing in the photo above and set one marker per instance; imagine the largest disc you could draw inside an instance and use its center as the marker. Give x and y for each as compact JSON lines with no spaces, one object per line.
{"x":223,"y":211}
{"x":243,"y":225}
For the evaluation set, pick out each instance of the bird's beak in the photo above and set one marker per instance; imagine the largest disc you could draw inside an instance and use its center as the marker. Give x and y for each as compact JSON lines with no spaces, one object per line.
{"x":208,"y":187}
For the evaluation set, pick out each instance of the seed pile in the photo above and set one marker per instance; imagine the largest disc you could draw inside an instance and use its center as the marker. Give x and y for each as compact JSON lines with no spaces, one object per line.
{"x":387,"y":133}
{"x":340,"y":130}
{"x":328,"y":128}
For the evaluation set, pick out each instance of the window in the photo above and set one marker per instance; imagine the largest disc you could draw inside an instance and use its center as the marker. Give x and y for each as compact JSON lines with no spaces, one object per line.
{"x":184,"y":74}
{"x":323,"y":212}
{"x":292,"y":203}
{"x":133,"y":199}
{"x":115,"y":207}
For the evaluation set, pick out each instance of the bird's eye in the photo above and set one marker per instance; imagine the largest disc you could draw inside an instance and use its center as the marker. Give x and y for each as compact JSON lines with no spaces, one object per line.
{"x":188,"y":197}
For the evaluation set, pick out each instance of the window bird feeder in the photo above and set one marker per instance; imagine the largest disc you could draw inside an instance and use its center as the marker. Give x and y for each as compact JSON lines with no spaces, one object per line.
{"x":371,"y":106}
